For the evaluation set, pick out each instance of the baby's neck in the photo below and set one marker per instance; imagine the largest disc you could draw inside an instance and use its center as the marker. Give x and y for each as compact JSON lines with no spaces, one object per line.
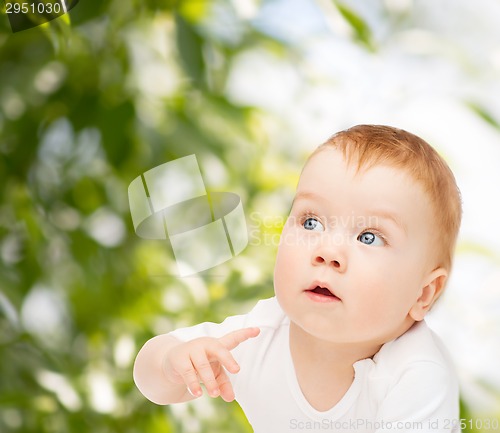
{"x":324,"y":370}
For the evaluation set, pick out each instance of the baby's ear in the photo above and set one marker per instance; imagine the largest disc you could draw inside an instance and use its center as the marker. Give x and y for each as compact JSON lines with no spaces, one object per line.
{"x":433,"y":287}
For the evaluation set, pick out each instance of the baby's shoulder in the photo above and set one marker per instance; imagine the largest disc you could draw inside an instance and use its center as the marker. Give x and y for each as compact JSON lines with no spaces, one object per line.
{"x":414,"y":371}
{"x":418,"y":345}
{"x":267,"y":313}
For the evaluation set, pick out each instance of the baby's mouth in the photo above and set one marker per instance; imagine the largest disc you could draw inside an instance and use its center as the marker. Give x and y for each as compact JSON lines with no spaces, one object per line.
{"x":324,"y":292}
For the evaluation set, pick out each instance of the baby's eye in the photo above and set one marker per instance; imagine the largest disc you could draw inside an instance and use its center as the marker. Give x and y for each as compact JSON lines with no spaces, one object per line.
{"x":370,"y":238}
{"x":313,"y":224}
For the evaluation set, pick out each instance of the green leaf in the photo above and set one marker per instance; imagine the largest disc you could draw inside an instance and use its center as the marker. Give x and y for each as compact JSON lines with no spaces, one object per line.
{"x":190,"y":49}
{"x":362,"y":31}
{"x":484,"y":114}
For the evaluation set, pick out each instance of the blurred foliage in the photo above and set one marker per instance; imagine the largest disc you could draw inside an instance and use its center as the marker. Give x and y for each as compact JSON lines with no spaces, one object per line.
{"x":79,"y":122}
{"x":88,"y":102}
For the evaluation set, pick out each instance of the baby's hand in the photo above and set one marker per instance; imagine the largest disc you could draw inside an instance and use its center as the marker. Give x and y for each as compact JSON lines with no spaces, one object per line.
{"x":201,"y":361}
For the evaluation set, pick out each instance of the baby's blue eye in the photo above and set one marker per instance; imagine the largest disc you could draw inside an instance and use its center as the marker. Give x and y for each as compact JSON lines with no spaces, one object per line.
{"x":313,"y":224}
{"x":369,"y":238}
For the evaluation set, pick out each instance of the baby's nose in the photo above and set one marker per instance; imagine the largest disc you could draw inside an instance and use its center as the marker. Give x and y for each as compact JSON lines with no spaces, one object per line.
{"x":330,"y":256}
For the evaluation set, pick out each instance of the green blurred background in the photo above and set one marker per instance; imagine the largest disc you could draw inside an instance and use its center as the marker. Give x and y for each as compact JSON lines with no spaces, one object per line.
{"x":93,"y":99}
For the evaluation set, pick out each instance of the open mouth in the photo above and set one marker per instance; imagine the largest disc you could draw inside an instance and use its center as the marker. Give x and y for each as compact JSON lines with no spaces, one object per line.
{"x":322,"y":293}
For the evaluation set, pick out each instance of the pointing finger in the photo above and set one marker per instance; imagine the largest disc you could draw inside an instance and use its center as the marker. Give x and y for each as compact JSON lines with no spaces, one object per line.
{"x":235,"y":338}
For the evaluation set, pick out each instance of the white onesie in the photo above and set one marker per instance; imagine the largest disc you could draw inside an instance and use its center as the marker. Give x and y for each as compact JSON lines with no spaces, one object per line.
{"x":409,"y":386}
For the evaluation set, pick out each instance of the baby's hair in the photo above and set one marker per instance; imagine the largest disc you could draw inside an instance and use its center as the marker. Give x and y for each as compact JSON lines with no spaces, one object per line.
{"x":369,"y":145}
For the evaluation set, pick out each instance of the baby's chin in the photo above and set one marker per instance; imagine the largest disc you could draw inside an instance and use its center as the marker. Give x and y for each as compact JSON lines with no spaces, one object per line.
{"x":336,"y":331}
{"x":310,"y":324}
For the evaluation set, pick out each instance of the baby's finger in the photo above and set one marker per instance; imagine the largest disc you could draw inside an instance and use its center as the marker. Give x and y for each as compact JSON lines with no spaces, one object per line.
{"x":234,"y":338}
{"x":187,"y":372}
{"x":219,"y":353}
{"x":205,"y":372}
{"x":226,"y":389}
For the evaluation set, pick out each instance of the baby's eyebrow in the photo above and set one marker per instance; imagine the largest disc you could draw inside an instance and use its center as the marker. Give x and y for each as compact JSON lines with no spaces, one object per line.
{"x":388,"y":215}
{"x":308,"y":195}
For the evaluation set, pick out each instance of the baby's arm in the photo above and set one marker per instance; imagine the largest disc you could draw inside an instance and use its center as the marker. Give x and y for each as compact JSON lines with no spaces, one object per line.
{"x":168,"y":370}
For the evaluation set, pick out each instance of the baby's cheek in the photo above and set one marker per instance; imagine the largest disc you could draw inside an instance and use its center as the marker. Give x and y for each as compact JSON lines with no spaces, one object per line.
{"x":383,"y":306}
{"x":292,"y":247}
{"x":280,"y":268}
{"x":372,"y":299}
{"x":284,"y":267}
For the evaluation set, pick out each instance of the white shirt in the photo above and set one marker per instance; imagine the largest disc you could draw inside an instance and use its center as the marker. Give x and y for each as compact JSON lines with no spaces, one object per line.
{"x":408,"y":386}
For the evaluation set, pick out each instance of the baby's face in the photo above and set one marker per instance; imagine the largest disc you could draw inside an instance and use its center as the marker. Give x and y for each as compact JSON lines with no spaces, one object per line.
{"x":355,"y":251}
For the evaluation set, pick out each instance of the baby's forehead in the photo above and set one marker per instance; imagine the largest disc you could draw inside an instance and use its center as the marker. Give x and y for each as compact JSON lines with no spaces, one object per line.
{"x":354,"y":166}
{"x":331,"y":172}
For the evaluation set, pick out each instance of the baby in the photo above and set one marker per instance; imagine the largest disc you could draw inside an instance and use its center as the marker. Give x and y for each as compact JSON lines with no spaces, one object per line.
{"x":343,"y":346}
